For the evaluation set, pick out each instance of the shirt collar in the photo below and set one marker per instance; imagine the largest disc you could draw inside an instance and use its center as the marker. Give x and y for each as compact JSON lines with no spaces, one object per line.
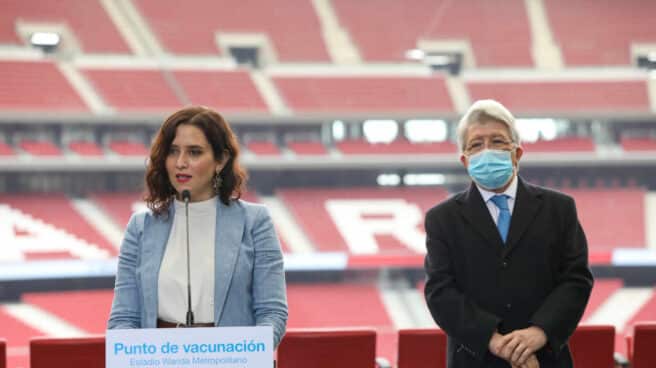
{"x":511,"y":191}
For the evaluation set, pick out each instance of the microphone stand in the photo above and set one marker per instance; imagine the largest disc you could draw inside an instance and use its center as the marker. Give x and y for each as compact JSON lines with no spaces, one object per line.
{"x":186,"y":196}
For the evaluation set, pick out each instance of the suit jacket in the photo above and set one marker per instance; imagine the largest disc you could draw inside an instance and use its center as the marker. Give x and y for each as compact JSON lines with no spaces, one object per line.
{"x":249,"y":286}
{"x":476,"y":284}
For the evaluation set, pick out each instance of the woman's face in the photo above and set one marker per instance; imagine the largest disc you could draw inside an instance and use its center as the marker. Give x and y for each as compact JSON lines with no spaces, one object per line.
{"x":190,"y":163}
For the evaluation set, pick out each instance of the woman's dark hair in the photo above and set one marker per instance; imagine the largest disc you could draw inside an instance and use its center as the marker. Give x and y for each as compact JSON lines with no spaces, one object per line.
{"x":159,"y":191}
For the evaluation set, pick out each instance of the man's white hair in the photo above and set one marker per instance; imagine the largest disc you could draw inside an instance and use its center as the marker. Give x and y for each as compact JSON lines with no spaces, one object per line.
{"x":481,"y":112}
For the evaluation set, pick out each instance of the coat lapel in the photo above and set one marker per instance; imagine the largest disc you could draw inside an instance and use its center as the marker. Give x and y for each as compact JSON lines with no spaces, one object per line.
{"x":229,"y":232}
{"x":527,"y":204}
{"x":476,"y":213}
{"x":155,"y":237}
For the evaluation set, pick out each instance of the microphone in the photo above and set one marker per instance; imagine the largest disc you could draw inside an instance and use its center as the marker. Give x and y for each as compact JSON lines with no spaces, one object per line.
{"x":186,"y":197}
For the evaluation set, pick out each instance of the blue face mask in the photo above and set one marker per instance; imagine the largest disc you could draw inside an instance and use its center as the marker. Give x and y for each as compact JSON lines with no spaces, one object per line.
{"x":491,"y":169}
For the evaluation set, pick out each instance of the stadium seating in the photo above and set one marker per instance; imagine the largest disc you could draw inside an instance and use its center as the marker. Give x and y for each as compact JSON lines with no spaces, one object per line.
{"x":575,"y":25}
{"x":328,"y":349}
{"x":5,"y":149}
{"x":81,"y":352}
{"x":558,"y":97}
{"x":88,"y":21}
{"x":92,"y":318}
{"x":307,"y":148}
{"x":641,"y":345}
{"x":593,"y":346}
{"x":85,"y":148}
{"x":365,"y":94}
{"x":40,"y":147}
{"x":134,"y":90}
{"x":225,"y":91}
{"x":561,"y":145}
{"x":396,"y":28}
{"x":601,"y":291}
{"x":69,"y":235}
{"x":638,"y":144}
{"x":280,"y":21}
{"x":353,"y":305}
{"x":23,"y":80}
{"x":363,"y":220}
{"x":598,"y":207}
{"x":128,"y":148}
{"x":263,"y":148}
{"x":422,"y":348}
{"x":362,"y":147}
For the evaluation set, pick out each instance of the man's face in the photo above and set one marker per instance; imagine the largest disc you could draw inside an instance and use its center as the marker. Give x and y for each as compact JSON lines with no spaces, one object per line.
{"x":490,"y":134}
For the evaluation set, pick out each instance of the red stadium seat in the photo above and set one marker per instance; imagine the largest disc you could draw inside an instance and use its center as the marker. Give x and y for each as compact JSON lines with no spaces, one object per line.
{"x":642,"y":349}
{"x":422,"y":348}
{"x":593,"y":346}
{"x":3,"y":353}
{"x":328,"y":349}
{"x":77,"y":352}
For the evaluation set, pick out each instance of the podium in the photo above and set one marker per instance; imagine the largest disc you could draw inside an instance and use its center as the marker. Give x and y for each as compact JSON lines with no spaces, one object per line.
{"x":247,"y":347}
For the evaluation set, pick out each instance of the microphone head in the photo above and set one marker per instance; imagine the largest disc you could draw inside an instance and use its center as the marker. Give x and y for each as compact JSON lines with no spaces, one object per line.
{"x":186,"y":195}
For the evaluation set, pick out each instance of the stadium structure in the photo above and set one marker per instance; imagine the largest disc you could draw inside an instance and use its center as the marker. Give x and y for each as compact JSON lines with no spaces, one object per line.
{"x":346,"y":112}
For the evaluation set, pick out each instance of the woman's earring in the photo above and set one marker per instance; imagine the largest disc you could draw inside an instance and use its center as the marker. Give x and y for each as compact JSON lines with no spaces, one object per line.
{"x":216,"y":182}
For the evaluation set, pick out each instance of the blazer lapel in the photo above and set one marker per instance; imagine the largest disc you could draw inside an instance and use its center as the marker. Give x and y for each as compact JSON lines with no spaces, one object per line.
{"x":476,"y":213}
{"x":155,"y":237}
{"x":229,"y":231}
{"x":527,"y":204}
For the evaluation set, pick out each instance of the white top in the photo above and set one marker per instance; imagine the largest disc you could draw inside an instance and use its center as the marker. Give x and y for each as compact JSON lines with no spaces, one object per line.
{"x":172,"y":282}
{"x":511,"y":192}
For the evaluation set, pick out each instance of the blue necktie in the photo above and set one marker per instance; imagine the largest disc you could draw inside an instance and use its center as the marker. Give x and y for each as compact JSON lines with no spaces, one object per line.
{"x":503,"y":223}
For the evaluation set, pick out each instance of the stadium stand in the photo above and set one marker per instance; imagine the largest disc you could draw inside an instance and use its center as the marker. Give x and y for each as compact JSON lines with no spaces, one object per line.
{"x":561,"y":145}
{"x":91,"y":25}
{"x":363,"y":94}
{"x":554,"y":97}
{"x":351,"y":305}
{"x":128,"y":148}
{"x":48,"y":226}
{"x":39,"y":147}
{"x":362,"y":147}
{"x":598,"y":207}
{"x":638,"y":144}
{"x":576,"y":28}
{"x":92,"y":318}
{"x":362,"y":220}
{"x":23,"y":80}
{"x":133,"y":90}
{"x":400,"y":27}
{"x":5,"y":149}
{"x":307,"y":148}
{"x":18,"y":336}
{"x":85,"y":148}
{"x":237,"y":17}
{"x":263,"y":148}
{"x":224,"y":90}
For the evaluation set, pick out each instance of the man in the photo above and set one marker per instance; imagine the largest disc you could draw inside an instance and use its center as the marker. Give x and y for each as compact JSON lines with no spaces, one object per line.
{"x":507,"y":269}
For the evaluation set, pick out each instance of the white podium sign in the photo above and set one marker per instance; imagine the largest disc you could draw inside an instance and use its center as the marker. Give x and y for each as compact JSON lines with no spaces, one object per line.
{"x":223,"y":347}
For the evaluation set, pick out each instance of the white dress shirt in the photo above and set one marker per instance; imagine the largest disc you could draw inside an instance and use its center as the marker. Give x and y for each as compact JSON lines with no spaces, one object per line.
{"x":172,"y":284}
{"x":511,"y":192}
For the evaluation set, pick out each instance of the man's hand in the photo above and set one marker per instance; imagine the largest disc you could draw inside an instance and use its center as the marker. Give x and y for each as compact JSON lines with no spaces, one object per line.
{"x":496,"y":343}
{"x":517,"y":346}
{"x":531,"y":362}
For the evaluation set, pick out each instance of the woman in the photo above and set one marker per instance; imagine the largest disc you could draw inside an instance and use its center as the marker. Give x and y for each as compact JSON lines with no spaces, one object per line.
{"x":236,"y":272}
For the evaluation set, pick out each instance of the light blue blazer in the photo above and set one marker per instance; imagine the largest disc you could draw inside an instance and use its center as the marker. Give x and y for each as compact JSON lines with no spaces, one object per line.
{"x":249,"y":285}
